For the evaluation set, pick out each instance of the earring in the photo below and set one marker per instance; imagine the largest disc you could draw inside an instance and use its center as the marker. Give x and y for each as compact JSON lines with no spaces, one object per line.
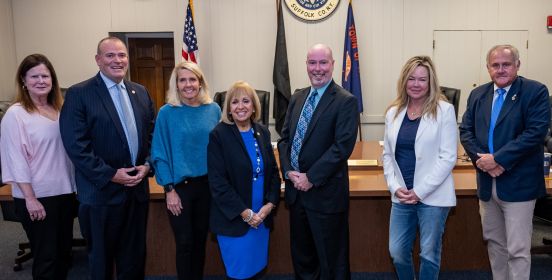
{"x":24,"y":87}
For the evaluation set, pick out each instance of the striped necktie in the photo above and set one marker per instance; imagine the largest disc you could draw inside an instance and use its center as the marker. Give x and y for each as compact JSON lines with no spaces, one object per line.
{"x":302,"y":126}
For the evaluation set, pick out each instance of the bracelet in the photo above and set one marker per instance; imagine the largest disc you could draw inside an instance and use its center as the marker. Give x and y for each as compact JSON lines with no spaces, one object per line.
{"x":249,"y":218}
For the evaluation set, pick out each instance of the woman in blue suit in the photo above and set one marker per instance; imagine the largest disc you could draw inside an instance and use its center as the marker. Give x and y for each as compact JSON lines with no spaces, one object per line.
{"x":420,"y":145}
{"x":244,"y":182}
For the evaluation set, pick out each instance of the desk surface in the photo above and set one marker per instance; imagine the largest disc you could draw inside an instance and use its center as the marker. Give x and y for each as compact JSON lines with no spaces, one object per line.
{"x":372,"y":151}
{"x":365,"y":180}
{"x":368,"y":180}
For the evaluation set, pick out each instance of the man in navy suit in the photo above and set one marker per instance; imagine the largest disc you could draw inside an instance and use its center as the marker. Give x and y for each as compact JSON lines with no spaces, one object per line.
{"x":502,"y":131}
{"x":106,"y":125}
{"x":318,"y":137}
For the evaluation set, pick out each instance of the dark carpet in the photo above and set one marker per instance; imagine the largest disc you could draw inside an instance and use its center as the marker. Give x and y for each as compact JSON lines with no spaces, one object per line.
{"x":12,"y":233}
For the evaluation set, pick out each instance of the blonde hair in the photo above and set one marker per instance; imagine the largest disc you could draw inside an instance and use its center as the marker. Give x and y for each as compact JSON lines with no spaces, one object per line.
{"x":434,"y":95}
{"x":238,"y":89}
{"x":173,"y":97}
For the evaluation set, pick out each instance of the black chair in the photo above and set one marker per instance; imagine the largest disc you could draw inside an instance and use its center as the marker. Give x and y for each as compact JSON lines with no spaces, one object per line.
{"x":24,"y":248}
{"x":548,"y":138}
{"x":544,"y":204}
{"x":8,"y":212}
{"x":453,"y":97}
{"x":264,"y":99}
{"x":543,"y":213}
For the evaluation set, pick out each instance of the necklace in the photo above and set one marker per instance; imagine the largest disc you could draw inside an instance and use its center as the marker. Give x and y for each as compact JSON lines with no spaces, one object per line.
{"x":258,"y":161}
{"x":413,"y":113}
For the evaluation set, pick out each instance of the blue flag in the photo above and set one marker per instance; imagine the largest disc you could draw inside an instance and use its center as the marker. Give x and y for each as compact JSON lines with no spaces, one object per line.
{"x":350,"y":79}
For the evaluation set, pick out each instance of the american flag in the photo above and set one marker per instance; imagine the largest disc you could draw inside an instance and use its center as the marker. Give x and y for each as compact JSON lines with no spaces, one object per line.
{"x":190,"y":50}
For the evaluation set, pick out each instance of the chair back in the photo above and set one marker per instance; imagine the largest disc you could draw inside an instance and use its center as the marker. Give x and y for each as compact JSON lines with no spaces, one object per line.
{"x":264,"y":100}
{"x":453,"y":97}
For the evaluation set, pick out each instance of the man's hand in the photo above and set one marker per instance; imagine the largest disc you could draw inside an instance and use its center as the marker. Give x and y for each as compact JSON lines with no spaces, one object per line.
{"x":497,"y":171}
{"x":122,"y":177}
{"x":300,"y":180}
{"x":486,"y":162}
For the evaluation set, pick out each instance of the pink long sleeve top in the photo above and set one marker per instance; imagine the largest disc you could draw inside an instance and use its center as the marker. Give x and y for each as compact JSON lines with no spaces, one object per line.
{"x":32,"y":152}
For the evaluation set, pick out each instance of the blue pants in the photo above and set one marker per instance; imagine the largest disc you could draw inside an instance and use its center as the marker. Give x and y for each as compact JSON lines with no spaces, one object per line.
{"x":404,"y":221}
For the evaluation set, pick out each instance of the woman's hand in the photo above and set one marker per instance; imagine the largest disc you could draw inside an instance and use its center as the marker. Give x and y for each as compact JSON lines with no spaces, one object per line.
{"x":266,"y":210}
{"x":35,"y":208}
{"x":251,"y":218}
{"x":174,"y":205}
{"x":406,"y":196}
{"x":255,"y":221}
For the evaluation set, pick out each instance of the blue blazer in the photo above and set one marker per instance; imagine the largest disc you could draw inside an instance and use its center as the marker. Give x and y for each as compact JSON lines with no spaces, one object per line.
{"x":95,"y":141}
{"x":327,"y":145}
{"x":518,"y":138}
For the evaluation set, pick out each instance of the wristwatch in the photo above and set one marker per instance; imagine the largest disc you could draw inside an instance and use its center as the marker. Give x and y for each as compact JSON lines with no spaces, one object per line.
{"x":168,"y":188}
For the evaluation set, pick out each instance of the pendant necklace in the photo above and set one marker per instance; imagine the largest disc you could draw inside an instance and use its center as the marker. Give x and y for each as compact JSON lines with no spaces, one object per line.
{"x":258,"y":169}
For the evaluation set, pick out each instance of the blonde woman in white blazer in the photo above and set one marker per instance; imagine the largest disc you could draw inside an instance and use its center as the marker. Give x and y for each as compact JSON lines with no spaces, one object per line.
{"x":419,"y":154}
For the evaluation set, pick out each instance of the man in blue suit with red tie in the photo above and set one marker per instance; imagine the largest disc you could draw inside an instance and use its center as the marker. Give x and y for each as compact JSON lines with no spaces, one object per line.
{"x":106,"y":125}
{"x":502,"y":131}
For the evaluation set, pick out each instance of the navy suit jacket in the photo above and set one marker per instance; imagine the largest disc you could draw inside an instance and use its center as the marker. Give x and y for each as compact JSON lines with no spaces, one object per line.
{"x":327,"y":145}
{"x":230,"y":178}
{"x":95,"y":141}
{"x":518,"y":138}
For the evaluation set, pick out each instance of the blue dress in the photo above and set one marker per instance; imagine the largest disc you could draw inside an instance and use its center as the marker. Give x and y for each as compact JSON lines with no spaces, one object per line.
{"x":247,"y":255}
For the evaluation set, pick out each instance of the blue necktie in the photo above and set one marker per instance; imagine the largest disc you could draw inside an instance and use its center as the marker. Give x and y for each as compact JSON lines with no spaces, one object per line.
{"x":494,"y":115}
{"x":302,"y":126}
{"x":129,"y":123}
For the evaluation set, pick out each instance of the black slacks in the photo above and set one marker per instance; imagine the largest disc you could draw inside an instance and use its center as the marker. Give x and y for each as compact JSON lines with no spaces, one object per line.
{"x":51,"y":239}
{"x":115,"y":234}
{"x":319,"y":243}
{"x":191,"y":226}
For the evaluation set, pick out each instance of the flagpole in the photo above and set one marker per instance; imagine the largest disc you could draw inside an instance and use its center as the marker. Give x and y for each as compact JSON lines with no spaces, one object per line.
{"x":191,"y":2}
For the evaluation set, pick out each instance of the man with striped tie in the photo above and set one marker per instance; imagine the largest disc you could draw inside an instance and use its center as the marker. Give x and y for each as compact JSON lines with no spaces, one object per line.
{"x":318,"y":136}
{"x":503,"y":131}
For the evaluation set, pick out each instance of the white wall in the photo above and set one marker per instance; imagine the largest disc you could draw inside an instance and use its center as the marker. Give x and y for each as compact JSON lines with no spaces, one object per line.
{"x":236,"y":37}
{"x":7,"y":52}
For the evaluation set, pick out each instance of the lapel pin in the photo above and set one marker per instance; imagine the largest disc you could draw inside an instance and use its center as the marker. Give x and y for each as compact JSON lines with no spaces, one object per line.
{"x":514,"y":97}
{"x":133,"y":92}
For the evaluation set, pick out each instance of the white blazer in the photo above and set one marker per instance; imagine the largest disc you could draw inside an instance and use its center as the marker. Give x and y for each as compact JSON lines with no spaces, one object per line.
{"x":436,"y":148}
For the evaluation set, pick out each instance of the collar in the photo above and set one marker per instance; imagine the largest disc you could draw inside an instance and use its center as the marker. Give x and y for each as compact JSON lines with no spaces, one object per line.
{"x":320,"y":90}
{"x":495,"y":87}
{"x":109,"y":83}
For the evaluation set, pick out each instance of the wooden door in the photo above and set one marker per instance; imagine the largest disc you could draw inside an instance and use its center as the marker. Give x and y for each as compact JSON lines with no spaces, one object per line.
{"x":151,"y":63}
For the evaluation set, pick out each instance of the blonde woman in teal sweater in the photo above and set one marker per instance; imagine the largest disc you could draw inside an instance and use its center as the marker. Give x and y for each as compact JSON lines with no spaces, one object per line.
{"x":179,"y":157}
